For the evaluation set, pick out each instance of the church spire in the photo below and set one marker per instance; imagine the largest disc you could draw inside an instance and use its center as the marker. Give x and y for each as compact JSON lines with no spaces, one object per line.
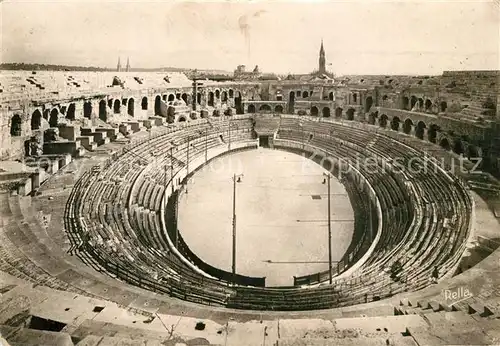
{"x":119,"y":66}
{"x":322,"y":59}
{"x":128,"y":65}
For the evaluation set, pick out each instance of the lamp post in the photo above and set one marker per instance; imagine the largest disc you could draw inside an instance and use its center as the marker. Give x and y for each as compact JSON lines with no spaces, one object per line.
{"x":236,"y":179}
{"x":328,"y":178}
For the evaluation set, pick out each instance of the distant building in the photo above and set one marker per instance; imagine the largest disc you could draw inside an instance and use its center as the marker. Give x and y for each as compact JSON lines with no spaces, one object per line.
{"x":119,"y":66}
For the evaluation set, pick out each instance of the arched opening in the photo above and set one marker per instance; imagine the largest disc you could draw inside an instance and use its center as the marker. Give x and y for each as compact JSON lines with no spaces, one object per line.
{"x":395,"y":124}
{"x":442,"y":106}
{"x":265,"y":109}
{"x":420,"y":103}
{"x":193,"y":116}
{"x":224,"y":96}
{"x":314,"y":111}
{"x":413,"y":102}
{"x":15,"y":125}
{"x":432,"y":133}
{"x":103,"y":112}
{"x":228,"y":112}
{"x":338,"y":113}
{"x":305,"y":95}
{"x":124,"y":102}
{"x":420,"y":129}
{"x":211,"y":99}
{"x":298,"y":93}
{"x":198,"y":98}
{"x":171,"y":98}
{"x":165,"y":97}
{"x":158,"y":105}
{"x":238,"y":104}
{"x":458,"y":146}
{"x":87,"y":109}
{"x":144,"y":103}
{"x":372,"y":118}
{"x":405,"y":103}
{"x":36,"y":120}
{"x":355,"y":98}
{"x":130,"y":107}
{"x":185,"y":98}
{"x":350,"y":114}
{"x":445,"y":144}
{"x":70,"y":113}
{"x":291,"y":102}
{"x":330,"y":96}
{"x":383,"y":120}
{"x":408,"y":124}
{"x":116,"y":107}
{"x":231,"y":93}
{"x":428,"y":104}
{"x":178,"y":96}
{"x":326,"y":112}
{"x":54,"y":114}
{"x":46,"y":113}
{"x":217,"y":93}
{"x":216,"y":113}
{"x":182,"y":119}
{"x":368,"y":103}
{"x":110,"y":103}
{"x":278,"y":109}
{"x":251,"y":108}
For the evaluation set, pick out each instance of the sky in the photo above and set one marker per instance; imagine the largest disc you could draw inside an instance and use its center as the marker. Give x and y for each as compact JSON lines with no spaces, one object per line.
{"x":360,"y":37}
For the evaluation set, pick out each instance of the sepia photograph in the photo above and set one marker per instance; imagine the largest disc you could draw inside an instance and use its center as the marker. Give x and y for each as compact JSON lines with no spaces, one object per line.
{"x":249,"y":172}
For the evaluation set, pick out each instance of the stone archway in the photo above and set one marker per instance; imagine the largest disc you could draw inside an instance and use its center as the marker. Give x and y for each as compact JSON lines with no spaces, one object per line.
{"x":428,"y":105}
{"x":224,"y":96}
{"x":251,"y":108}
{"x":442,"y":106}
{"x":338,"y":113}
{"x":326,"y":112}
{"x":158,"y":105}
{"x":238,"y":104}
{"x":36,"y":120}
{"x":314,"y":111}
{"x":445,"y":143}
{"x":103,"y":110}
{"x":217,"y":94}
{"x":131,"y":107}
{"x":368,"y":103}
{"x":395,"y":122}
{"x":171,"y":98}
{"x":144,"y":103}
{"x":54,"y":117}
{"x":278,"y":109}
{"x":420,"y":130}
{"x":305,"y":95}
{"x":413,"y":102}
{"x":350,"y":114}
{"x":184,"y":98}
{"x":432,"y":133}
{"x":210,"y":102}
{"x":407,"y":126}
{"x":231,"y":93}
{"x":384,"y":119}
{"x":330,"y":96}
{"x":87,"y":109}
{"x":70,"y":113}
{"x":16,"y":125}
{"x":117,"y":107}
{"x":265,"y":108}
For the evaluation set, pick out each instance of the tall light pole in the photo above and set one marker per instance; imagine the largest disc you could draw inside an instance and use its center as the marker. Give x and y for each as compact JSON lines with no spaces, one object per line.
{"x":236,"y":179}
{"x":328,"y":178}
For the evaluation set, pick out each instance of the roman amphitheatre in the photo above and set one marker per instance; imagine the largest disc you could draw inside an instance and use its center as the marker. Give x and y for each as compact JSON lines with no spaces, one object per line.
{"x":149,"y":208}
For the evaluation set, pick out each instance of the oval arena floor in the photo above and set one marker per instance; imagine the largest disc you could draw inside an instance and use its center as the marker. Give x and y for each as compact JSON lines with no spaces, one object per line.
{"x":281,"y":208}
